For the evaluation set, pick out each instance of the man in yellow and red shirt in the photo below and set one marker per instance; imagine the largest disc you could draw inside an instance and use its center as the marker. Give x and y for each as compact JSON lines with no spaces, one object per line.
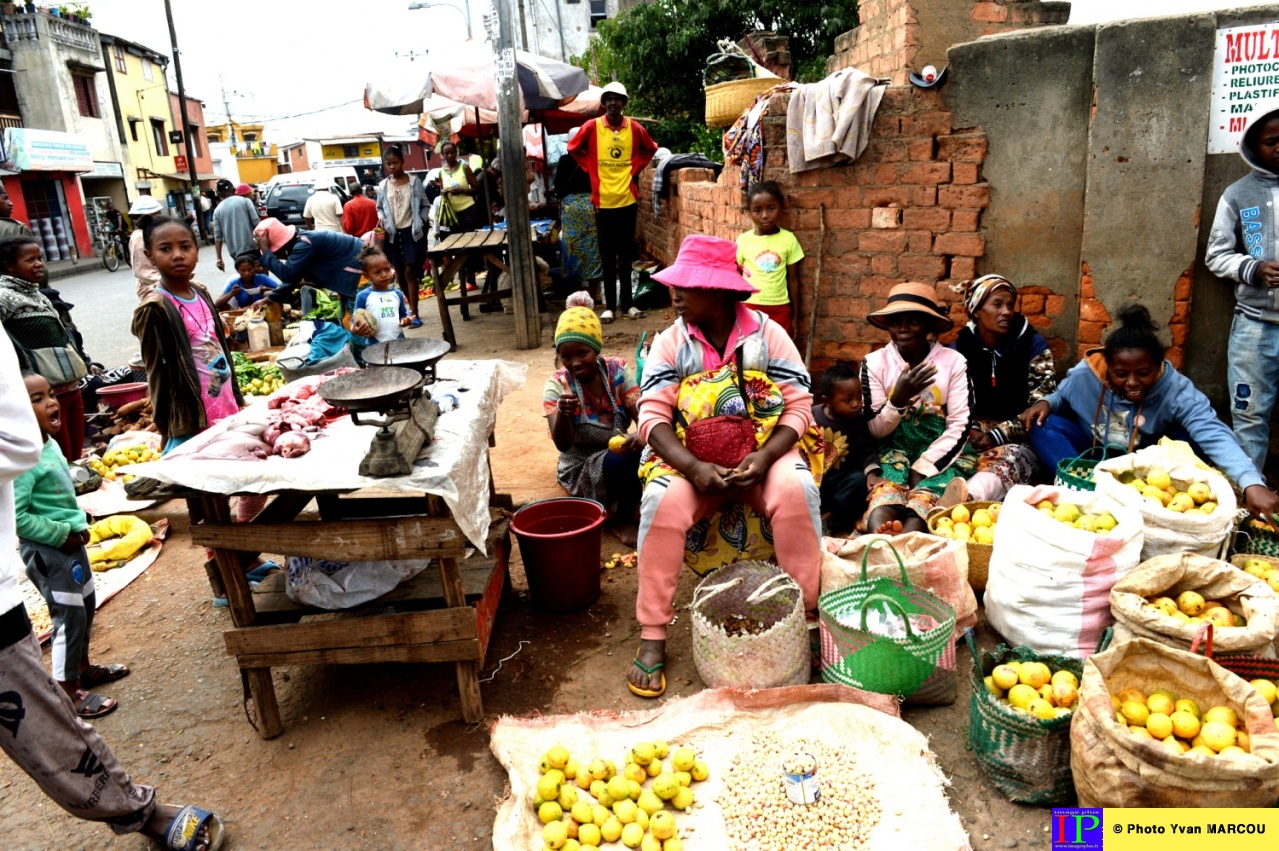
{"x":613,"y":150}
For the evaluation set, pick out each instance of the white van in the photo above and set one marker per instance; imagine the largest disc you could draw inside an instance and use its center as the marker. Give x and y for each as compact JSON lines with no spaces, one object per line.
{"x":342,"y":176}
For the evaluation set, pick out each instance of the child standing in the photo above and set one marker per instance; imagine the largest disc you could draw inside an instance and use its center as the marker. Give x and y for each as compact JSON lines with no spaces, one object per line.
{"x":249,"y":284}
{"x":1242,"y":248}
{"x":52,"y":532}
{"x":382,"y":299}
{"x":852,"y":455}
{"x":586,"y":403}
{"x":189,"y":369}
{"x":770,"y":256}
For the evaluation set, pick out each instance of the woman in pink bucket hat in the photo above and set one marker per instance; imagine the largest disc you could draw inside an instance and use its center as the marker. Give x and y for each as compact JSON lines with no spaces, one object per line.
{"x":324,"y":258}
{"x":727,"y":415}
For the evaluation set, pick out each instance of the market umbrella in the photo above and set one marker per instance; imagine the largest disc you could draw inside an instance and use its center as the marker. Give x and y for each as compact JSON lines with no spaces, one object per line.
{"x":442,"y":117}
{"x":467,"y":75}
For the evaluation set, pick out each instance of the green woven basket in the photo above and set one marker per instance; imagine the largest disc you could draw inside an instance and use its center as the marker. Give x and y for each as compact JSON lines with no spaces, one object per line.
{"x":1250,"y":539}
{"x":1078,"y":472}
{"x":1026,"y":758}
{"x":918,"y":667}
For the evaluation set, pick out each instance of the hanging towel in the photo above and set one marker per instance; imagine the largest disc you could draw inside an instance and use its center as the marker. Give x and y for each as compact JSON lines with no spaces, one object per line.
{"x":828,"y":123}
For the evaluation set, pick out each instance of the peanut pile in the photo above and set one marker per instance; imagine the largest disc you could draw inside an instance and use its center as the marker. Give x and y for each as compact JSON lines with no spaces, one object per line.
{"x":758,"y":816}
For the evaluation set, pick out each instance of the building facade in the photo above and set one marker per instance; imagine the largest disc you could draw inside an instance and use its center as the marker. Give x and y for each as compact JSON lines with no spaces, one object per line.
{"x":562,"y":29}
{"x":255,"y":160}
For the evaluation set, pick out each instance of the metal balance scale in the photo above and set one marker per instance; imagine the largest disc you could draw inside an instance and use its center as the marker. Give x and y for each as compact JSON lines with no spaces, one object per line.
{"x":394,"y":386}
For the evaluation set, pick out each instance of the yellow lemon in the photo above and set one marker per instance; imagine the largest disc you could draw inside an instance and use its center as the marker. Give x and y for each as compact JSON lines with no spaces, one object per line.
{"x":583,"y":813}
{"x":600,"y":814}
{"x":984,"y":535}
{"x":643,"y":753}
{"x":660,"y":748}
{"x":650,"y":843}
{"x":700,"y":771}
{"x":1218,"y":735}
{"x":1265,"y":688}
{"x":1220,"y":617}
{"x":549,"y":812}
{"x":1176,"y":745}
{"x":1128,"y":694}
{"x":1199,"y":492}
{"x":1232,"y":751}
{"x":1181,"y":502}
{"x":618,"y":788}
{"x":548,"y":787}
{"x":1042,"y":709}
{"x":991,"y":687}
{"x":1161,"y":703}
{"x":963,"y":531}
{"x":1046,"y":505}
{"x":1158,"y":478}
{"x":555,"y":834}
{"x":662,"y":824}
{"x":571,"y":768}
{"x":665,"y":786}
{"x":589,"y":834}
{"x":568,"y":797}
{"x":1034,"y":674}
{"x":1066,"y":513}
{"x":1224,"y":714}
{"x":1208,"y":507}
{"x":1159,"y":725}
{"x":1065,"y":692}
{"x":611,"y":830}
{"x":557,"y":757}
{"x":654,"y":768}
{"x":1021,"y":695}
{"x":960,"y":514}
{"x":1135,"y":712}
{"x":1273,"y":580}
{"x":636,"y":772}
{"x":1202,"y":750}
{"x":1154,"y":494}
{"x":649,"y":802}
{"x":1184,"y":724}
{"x":1243,"y":741}
{"x":584,"y":778}
{"x":632,"y":835}
{"x":1140,"y":732}
{"x":599,"y":789}
{"x":683,"y":759}
{"x":1190,"y":602}
{"x":625,"y":811}
{"x":981,"y":519}
{"x":1086,"y":522}
{"x":684,"y":778}
{"x":1106,"y":521}
{"x":1063,"y":674}
{"x":1004,"y":676}
{"x":683,"y":799}
{"x":616,"y":442}
{"x":599,"y":769}
{"x":673,"y":844}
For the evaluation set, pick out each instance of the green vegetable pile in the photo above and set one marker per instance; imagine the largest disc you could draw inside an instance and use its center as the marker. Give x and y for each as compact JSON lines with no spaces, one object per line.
{"x":326,"y":307}
{"x":255,"y":379}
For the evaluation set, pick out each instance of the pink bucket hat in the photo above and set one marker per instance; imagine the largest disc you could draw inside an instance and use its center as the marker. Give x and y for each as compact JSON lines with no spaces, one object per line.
{"x":277,"y":233}
{"x":244,"y":189}
{"x":705,"y":263}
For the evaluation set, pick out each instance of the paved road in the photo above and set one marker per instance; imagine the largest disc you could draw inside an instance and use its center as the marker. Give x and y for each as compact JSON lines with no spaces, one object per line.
{"x":104,"y":303}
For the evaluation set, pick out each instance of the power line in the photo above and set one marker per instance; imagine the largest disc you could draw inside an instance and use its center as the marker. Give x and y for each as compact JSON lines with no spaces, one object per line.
{"x":303,"y":114}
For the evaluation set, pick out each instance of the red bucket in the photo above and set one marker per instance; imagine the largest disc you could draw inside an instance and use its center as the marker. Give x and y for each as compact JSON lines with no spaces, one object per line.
{"x":560,"y":544}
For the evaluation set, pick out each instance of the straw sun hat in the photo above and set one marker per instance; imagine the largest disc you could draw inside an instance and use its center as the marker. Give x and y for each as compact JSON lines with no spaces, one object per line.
{"x":912,"y":298}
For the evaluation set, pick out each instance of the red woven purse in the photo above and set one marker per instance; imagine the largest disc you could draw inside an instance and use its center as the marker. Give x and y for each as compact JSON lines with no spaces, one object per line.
{"x":724,"y":440}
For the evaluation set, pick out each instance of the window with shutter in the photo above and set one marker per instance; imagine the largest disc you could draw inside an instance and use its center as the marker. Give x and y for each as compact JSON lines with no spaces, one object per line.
{"x":86,"y":95}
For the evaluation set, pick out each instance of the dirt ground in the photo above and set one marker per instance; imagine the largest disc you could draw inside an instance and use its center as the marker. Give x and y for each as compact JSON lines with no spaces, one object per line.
{"x":376,"y":756}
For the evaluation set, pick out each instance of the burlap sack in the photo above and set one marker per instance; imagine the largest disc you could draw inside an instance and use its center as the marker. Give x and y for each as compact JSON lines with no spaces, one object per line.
{"x":1171,"y":531}
{"x":719,"y":724}
{"x":1114,"y":768}
{"x":1170,"y":575}
{"x":937,"y":564}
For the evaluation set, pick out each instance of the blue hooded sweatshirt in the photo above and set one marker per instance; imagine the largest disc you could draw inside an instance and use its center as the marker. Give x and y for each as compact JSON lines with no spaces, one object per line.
{"x":1084,"y":395}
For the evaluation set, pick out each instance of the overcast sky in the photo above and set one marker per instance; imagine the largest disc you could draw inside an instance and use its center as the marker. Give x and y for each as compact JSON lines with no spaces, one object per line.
{"x":282,"y":58}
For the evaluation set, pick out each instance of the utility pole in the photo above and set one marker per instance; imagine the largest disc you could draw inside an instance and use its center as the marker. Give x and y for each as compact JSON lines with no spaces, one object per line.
{"x":519,"y":240}
{"x":226,"y":107}
{"x":186,"y":122}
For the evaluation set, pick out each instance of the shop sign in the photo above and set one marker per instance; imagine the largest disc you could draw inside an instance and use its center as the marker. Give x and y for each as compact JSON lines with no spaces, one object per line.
{"x":1245,"y":75}
{"x":108,"y":170}
{"x":180,"y":163}
{"x":353,"y":161}
{"x":26,"y":149}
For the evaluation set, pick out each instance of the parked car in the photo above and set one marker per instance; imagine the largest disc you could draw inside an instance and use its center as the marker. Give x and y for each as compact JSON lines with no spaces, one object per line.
{"x":286,"y":201}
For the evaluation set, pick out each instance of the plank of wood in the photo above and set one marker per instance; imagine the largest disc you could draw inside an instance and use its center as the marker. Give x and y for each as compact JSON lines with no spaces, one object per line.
{"x":468,"y":686}
{"x":395,"y":539}
{"x":217,"y":511}
{"x":265,"y":706}
{"x":448,"y":651}
{"x":438,"y":625}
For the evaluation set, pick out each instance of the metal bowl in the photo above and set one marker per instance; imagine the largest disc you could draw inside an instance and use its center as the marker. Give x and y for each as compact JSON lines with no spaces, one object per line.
{"x":372,"y":390}
{"x":417,"y":353}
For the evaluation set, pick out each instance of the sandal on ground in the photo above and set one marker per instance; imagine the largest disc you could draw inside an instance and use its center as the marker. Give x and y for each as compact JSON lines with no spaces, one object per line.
{"x":99,"y":674}
{"x":416,"y":323}
{"x":606,"y":317}
{"x":635,"y":313}
{"x":647,"y":692}
{"x":185,"y":828}
{"x":955,"y":493}
{"x":260,"y":572}
{"x":89,"y":706}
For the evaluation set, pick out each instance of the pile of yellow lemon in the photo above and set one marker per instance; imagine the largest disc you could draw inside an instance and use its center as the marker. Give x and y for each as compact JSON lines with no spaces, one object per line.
{"x":1191,"y":607}
{"x":1262,"y":569}
{"x":964,"y":525}
{"x":1157,"y":486}
{"x":113,"y":458}
{"x":1071,"y":515}
{"x":623,"y":809}
{"x":1035,"y":688}
{"x":1180,"y":726}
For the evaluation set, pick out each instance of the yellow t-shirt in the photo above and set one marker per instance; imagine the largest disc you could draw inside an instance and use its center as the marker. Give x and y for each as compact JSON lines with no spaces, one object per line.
{"x":613,"y":149}
{"x":457,"y":179}
{"x":764,"y":260}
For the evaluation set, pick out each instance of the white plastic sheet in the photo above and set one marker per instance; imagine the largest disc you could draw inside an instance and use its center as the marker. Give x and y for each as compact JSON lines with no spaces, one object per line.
{"x":454,"y":466}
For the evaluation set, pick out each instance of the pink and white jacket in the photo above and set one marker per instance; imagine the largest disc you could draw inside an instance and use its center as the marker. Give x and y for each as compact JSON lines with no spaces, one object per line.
{"x":950,"y":396}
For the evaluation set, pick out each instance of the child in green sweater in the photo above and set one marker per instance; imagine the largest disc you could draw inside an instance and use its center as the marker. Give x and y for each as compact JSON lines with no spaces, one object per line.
{"x":52,"y":532}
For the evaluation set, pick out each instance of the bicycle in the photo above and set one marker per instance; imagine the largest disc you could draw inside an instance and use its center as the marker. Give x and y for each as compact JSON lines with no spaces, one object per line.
{"x":113,"y":249}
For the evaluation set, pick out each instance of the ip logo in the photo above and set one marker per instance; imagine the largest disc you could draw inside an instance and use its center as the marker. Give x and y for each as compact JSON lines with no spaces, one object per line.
{"x":1077,"y":829}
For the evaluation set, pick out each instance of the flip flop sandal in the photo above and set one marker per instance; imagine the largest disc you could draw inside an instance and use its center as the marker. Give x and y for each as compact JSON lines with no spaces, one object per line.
{"x":607,"y":317}
{"x":647,"y":692}
{"x":634,"y":313}
{"x":91,"y":706}
{"x":260,"y":572}
{"x":185,"y":828}
{"x":99,"y":674}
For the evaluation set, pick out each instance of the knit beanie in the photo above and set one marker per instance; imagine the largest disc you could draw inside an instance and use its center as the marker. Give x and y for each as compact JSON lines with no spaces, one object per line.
{"x":579,"y":325}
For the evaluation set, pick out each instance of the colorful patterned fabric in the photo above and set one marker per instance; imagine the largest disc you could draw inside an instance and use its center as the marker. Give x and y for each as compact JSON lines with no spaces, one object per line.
{"x":744,"y":141}
{"x":918,"y":429}
{"x":920,"y":500}
{"x":578,"y":239}
{"x":580,"y":469}
{"x":579,"y":325}
{"x":622,"y":393}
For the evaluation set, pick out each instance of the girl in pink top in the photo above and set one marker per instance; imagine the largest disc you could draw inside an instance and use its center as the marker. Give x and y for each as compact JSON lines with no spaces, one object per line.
{"x":920,"y":400}
{"x":698,"y":368}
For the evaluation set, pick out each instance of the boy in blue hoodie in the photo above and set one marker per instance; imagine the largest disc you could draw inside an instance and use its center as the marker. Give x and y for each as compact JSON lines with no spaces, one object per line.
{"x":52,"y":532}
{"x":1126,"y":395}
{"x":1243,"y":248}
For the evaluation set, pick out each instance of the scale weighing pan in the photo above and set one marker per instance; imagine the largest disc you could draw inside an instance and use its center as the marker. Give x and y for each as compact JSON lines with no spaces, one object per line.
{"x":379,"y":390}
{"x":419,"y":354}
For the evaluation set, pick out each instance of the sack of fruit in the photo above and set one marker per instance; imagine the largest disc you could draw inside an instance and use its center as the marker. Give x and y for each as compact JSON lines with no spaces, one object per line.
{"x":1050,"y":576}
{"x":931,"y":562}
{"x":1167,"y":598}
{"x":748,"y":628}
{"x":1023,"y":747}
{"x":1185,"y":505}
{"x":1126,"y":764}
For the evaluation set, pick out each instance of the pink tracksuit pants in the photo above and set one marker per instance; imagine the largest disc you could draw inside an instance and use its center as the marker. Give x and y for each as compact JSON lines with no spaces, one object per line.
{"x":671,"y":505}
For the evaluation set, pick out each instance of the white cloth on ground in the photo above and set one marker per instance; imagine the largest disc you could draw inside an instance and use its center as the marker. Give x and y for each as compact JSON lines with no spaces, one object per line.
{"x":829,"y":122}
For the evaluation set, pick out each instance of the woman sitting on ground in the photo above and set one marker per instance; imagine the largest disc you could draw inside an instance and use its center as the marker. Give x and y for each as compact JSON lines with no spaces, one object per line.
{"x":587,"y":403}
{"x":1128,"y":381}
{"x":699,"y":369}
{"x":918,"y":394}
{"x":999,"y":342}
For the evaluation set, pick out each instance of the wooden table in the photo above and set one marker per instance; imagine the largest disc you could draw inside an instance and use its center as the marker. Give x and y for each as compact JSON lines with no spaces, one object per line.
{"x":444,"y":614}
{"x":450,"y":256}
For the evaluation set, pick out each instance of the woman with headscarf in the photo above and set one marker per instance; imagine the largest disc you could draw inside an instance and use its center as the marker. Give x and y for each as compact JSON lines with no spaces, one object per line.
{"x":1011,"y":369}
{"x":578,"y":240}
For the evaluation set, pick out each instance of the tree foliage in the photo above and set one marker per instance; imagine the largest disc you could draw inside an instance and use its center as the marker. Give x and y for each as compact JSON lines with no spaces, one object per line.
{"x":659,"y":50}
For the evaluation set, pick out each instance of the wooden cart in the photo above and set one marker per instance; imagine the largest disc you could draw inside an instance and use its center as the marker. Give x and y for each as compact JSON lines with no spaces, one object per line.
{"x":444,"y":614}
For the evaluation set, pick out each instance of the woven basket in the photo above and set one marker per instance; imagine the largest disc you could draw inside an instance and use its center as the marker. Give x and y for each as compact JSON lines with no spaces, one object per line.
{"x":978,"y":554}
{"x":778,"y":656}
{"x":1026,"y":758}
{"x":1246,"y":665}
{"x":1241,"y":559}
{"x":726,"y":101}
{"x":1248,"y":539}
{"x":1068,"y":478}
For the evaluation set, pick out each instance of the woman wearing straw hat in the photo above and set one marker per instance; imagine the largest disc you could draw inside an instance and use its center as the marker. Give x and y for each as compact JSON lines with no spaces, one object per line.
{"x":919,"y":397}
{"x":999,"y":342}
{"x":727,"y":414}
